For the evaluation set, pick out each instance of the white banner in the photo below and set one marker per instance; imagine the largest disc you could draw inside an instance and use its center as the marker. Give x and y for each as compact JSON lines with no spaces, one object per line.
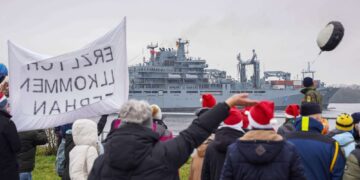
{"x":47,"y":92}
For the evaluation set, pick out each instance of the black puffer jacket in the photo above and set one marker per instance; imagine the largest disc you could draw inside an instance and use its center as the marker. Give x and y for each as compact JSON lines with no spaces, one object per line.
{"x":216,"y":152}
{"x":69,"y":145}
{"x":9,"y":146}
{"x":135,"y":152}
{"x":29,"y":140}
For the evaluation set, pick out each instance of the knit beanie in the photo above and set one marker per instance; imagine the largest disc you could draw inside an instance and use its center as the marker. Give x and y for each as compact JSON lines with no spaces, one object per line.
{"x":308,"y":82}
{"x":208,"y":100}
{"x":344,"y":122}
{"x":261,"y":114}
{"x":356,"y":117}
{"x":137,"y":112}
{"x":310,"y":108}
{"x":156,"y":112}
{"x":292,"y":111}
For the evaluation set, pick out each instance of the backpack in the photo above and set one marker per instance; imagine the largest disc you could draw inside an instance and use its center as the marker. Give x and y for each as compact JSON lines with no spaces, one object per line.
{"x":60,"y":159}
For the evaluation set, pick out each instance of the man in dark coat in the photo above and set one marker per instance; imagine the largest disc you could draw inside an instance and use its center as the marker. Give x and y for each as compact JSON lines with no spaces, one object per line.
{"x":134,"y":151}
{"x":9,"y":144}
{"x":321,"y":155}
{"x":231,"y":129}
{"x":26,"y":158}
{"x":261,"y":153}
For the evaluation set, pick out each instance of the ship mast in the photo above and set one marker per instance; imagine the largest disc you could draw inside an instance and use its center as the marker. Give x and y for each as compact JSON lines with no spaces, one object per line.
{"x":152,"y":51}
{"x":241,"y":68}
{"x":308,"y":71}
{"x":180,"y":44}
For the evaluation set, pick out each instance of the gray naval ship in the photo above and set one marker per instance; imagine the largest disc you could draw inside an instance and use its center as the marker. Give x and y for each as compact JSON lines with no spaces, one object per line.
{"x":176,"y":82}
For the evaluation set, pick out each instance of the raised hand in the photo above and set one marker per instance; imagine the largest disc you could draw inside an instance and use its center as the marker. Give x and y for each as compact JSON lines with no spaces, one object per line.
{"x":240,"y":100}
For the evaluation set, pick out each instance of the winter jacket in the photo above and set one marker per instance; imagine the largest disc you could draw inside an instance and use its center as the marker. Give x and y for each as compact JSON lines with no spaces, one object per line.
{"x":83,"y":155}
{"x":198,"y":159}
{"x":143,"y":156}
{"x":321,"y":155}
{"x":29,"y":140}
{"x":352,"y":170}
{"x":9,"y":146}
{"x":345,"y":140}
{"x":69,"y":145}
{"x":287,"y":127}
{"x":216,"y":152}
{"x":311,"y":95}
{"x":160,"y":127}
{"x":262,"y":154}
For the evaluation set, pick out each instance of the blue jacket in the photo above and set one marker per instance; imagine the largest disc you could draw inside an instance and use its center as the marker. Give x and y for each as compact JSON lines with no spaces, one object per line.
{"x":321,"y":155}
{"x":262,"y":154}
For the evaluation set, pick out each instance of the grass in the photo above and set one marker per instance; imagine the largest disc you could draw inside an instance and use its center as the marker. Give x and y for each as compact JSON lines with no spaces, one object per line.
{"x":45,"y":167}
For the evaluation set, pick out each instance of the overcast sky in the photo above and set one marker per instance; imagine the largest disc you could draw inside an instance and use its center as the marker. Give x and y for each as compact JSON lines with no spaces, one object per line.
{"x":283,"y":32}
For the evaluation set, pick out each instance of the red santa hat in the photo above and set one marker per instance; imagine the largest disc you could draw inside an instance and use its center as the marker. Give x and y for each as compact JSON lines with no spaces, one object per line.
{"x":208,"y":100}
{"x":261,"y":114}
{"x":237,"y":119}
{"x":292,"y":111}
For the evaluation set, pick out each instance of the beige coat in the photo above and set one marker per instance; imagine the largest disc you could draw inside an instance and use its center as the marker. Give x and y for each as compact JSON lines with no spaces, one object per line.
{"x":83,"y":155}
{"x":352,"y":168}
{"x":198,"y":159}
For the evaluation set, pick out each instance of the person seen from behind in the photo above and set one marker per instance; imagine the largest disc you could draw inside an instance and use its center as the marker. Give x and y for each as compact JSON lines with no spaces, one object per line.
{"x":207,"y":101}
{"x":26,"y":157}
{"x":291,"y":112}
{"x":197,"y":159}
{"x":352,"y":168}
{"x":261,"y":153}
{"x":311,"y":95}
{"x":83,"y":155}
{"x":9,"y":143}
{"x":233,"y":127}
{"x":134,"y":151}
{"x":321,"y":155}
{"x":343,"y":133}
{"x":356,"y":119}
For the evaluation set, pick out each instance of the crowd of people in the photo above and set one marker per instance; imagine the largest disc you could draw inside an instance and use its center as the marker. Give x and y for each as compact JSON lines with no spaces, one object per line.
{"x":224,"y":142}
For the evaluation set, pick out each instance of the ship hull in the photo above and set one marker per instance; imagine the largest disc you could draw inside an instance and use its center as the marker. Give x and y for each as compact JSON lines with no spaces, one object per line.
{"x":185,"y":102}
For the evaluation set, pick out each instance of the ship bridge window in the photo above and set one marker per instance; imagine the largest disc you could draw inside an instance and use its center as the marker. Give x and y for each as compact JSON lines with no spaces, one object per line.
{"x":235,"y":92}
{"x":175,"y":92}
{"x":134,"y":91}
{"x":154,"y":91}
{"x":147,"y":91}
{"x":246,"y":91}
{"x":191,"y":91}
{"x":259,"y":91}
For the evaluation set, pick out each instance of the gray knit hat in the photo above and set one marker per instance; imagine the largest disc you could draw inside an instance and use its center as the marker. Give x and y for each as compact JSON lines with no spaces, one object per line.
{"x":137,"y":112}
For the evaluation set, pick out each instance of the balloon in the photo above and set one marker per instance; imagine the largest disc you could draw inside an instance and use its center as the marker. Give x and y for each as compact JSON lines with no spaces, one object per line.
{"x":330,"y":36}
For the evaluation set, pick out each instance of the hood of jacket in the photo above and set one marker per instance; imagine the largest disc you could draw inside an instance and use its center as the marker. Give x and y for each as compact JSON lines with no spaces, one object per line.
{"x":224,"y":137}
{"x":260,"y":146}
{"x":84,"y":132}
{"x":129,"y":145}
{"x":313,"y":125}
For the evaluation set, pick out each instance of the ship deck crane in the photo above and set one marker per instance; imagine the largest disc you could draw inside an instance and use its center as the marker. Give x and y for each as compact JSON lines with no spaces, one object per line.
{"x":242,"y":69}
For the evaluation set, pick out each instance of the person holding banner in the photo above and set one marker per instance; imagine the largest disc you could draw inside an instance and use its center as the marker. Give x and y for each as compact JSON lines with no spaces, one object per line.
{"x":9,"y":143}
{"x":134,"y":151}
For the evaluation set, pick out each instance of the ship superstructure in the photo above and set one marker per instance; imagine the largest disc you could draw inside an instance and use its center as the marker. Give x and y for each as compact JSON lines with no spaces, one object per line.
{"x":175,"y":82}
